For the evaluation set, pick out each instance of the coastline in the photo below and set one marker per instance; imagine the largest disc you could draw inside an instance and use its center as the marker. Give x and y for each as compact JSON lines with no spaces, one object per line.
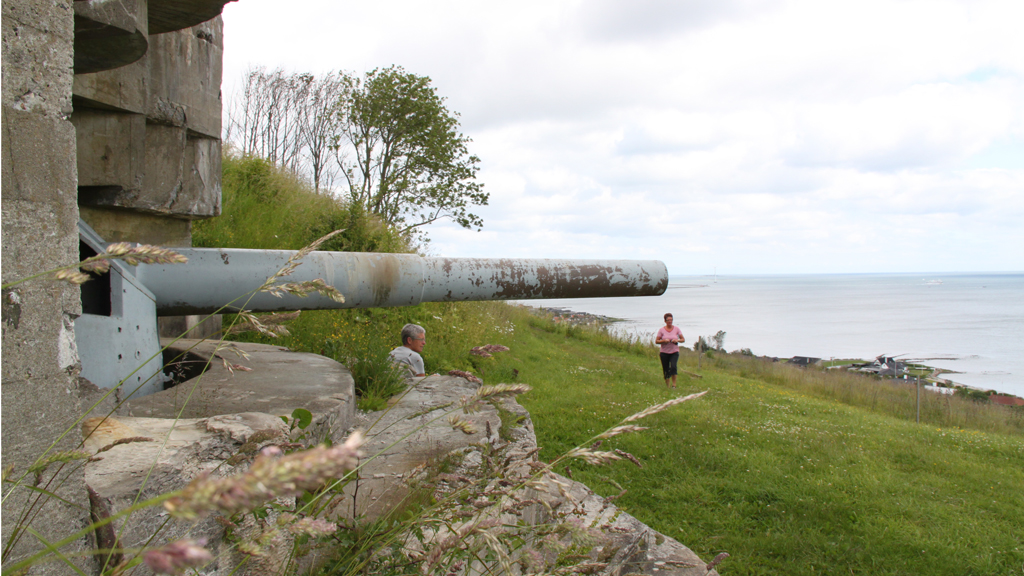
{"x":934,"y":381}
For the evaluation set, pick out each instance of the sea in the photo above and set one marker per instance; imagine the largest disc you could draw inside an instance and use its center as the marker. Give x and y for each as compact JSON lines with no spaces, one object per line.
{"x":971,"y":324}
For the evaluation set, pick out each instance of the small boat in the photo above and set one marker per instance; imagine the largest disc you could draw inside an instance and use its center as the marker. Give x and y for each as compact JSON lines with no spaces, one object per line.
{"x":933,"y":282}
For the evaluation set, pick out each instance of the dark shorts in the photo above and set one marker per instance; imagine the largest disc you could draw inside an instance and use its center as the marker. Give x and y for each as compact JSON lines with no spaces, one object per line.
{"x":668,"y":363}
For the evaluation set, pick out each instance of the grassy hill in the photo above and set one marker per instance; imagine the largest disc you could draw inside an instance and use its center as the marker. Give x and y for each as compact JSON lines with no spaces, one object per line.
{"x":790,"y":471}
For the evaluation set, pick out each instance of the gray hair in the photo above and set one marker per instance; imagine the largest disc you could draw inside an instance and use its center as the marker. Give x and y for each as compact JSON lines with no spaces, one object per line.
{"x":411,"y":332}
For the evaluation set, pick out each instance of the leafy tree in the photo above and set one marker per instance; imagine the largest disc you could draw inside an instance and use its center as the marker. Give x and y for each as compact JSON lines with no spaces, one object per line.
{"x":719,"y":339}
{"x":402,"y":154}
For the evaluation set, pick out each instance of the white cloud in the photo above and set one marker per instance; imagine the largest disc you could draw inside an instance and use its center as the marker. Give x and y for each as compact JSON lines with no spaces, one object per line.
{"x":750,"y":136}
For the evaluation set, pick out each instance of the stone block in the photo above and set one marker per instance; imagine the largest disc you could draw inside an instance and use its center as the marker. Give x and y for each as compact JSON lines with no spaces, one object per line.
{"x":110,"y":150}
{"x":185,"y":69}
{"x":272,"y":379}
{"x":165,"y":455}
{"x":182,"y":174}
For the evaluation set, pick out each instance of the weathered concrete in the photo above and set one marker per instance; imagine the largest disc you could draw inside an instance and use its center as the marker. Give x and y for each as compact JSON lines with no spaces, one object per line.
{"x":37,"y":56}
{"x":185,"y":70}
{"x":273,"y":380}
{"x":43,"y":44}
{"x":182,"y":174}
{"x":120,"y":226}
{"x":40,"y":388}
{"x":164,"y":455}
{"x":107,"y":153}
{"x":171,"y":15}
{"x":149,"y":132}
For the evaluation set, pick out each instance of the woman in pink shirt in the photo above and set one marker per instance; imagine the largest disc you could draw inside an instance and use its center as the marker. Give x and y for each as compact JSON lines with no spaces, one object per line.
{"x":669,"y":337}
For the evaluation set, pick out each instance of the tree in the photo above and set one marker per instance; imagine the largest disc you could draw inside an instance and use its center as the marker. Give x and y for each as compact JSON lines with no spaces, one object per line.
{"x":290,"y":120}
{"x":318,"y":127}
{"x":401,"y":153}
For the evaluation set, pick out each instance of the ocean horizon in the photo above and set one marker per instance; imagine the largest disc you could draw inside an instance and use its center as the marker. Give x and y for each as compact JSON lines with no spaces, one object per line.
{"x":971,"y":324}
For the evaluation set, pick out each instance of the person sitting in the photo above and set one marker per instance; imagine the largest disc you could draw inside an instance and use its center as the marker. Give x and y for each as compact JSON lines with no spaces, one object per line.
{"x":414,"y":337}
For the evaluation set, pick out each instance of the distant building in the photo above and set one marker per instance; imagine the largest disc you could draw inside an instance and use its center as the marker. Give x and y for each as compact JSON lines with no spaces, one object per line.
{"x":803,"y":361}
{"x":1006,"y":400}
{"x":882,"y":366}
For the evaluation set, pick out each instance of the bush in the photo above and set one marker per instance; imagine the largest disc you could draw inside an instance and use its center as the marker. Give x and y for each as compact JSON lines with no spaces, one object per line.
{"x":368,"y":358}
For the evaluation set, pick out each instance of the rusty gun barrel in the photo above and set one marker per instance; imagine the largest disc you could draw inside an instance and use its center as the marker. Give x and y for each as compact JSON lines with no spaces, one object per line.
{"x":217,"y":278}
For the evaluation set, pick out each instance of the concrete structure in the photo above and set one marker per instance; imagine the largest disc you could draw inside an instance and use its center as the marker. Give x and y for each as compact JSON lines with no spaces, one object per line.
{"x":140,"y":86}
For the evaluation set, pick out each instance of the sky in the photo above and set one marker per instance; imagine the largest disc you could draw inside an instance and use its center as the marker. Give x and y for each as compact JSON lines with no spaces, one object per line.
{"x":718,"y":136}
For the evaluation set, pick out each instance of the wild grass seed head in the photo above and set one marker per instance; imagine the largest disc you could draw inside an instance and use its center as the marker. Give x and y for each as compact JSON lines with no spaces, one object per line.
{"x":72,"y":276}
{"x":461,"y":424}
{"x":304,"y":289}
{"x":314,"y":527}
{"x":470,"y":404}
{"x":663,"y":406}
{"x":62,"y":457}
{"x":142,"y":254}
{"x":624,"y":429}
{"x":271,"y":475}
{"x":177,"y":557}
{"x":595,"y":457}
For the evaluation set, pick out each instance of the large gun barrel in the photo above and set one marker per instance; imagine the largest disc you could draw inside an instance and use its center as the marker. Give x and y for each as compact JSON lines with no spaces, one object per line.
{"x":230,"y":279}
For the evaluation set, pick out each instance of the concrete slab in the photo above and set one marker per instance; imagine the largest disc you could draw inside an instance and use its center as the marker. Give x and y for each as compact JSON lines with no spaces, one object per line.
{"x":272,"y":380}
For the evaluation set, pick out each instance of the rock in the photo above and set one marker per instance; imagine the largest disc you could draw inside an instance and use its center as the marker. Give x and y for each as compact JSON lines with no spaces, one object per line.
{"x":168,"y":455}
{"x":401,"y":440}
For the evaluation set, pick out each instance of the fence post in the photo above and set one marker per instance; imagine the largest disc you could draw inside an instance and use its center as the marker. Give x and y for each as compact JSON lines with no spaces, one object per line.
{"x":918,"y":399}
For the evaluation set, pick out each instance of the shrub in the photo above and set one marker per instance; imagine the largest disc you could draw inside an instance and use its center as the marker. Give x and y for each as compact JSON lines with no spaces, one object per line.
{"x":368,"y":358}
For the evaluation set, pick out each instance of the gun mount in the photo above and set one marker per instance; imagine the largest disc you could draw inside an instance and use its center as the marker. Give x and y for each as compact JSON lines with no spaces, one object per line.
{"x":117,"y":333}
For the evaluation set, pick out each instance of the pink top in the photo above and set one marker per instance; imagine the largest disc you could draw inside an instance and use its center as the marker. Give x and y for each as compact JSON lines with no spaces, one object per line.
{"x":663,"y":334}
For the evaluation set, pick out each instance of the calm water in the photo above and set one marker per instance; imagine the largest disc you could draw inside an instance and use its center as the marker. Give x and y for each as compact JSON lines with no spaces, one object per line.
{"x":970,"y":323}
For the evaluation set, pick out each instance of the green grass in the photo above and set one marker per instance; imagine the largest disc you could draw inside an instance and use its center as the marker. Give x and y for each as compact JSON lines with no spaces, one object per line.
{"x":774,"y":465}
{"x":786,"y":482}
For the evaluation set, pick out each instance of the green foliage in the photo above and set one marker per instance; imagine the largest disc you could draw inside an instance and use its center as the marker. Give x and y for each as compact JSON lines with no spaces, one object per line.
{"x":403,"y":156}
{"x":366,"y":355}
{"x":301,"y":419}
{"x":265,"y":207}
{"x":972,"y":394}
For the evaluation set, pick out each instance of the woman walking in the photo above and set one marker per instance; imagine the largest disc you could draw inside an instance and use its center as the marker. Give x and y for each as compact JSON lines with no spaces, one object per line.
{"x":669,"y":337}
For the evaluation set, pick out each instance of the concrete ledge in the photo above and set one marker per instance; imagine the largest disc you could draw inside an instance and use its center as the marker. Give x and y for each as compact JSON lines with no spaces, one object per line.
{"x":272,"y":380}
{"x":172,"y":15}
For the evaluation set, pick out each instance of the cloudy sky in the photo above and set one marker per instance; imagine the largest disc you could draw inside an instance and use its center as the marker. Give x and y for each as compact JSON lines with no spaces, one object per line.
{"x":740,"y":136}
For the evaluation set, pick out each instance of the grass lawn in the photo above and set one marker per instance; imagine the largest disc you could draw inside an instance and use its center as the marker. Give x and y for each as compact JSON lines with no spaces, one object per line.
{"x":785,"y":482}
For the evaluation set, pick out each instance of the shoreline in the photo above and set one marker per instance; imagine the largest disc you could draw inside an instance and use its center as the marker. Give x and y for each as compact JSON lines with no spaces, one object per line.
{"x":934,"y":379}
